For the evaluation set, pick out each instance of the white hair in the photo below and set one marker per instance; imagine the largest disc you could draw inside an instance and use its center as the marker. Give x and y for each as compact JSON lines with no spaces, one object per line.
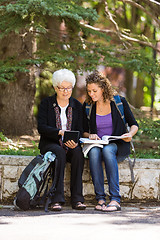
{"x":63,"y":75}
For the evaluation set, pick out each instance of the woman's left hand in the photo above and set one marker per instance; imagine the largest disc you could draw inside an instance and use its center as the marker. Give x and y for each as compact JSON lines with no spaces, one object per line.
{"x":128,"y":137}
{"x":132,"y":132}
{"x":71,"y":144}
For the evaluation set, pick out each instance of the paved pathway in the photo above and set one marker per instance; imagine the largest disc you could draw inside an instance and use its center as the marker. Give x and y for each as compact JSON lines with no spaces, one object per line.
{"x":133,"y":223}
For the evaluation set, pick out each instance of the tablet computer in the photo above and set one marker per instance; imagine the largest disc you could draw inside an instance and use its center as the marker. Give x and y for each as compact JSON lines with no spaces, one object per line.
{"x":71,"y":135}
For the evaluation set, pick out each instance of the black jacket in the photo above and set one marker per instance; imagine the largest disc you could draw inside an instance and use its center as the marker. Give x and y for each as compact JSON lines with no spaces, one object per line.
{"x":118,"y":125}
{"x":47,"y":120}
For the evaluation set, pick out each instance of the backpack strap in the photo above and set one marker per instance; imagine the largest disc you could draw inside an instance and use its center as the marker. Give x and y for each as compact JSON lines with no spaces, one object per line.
{"x":50,"y":194}
{"x":88,"y":110}
{"x":120,"y":108}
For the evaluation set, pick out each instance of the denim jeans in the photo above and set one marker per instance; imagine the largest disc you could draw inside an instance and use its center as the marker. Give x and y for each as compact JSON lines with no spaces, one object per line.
{"x":108,"y":155}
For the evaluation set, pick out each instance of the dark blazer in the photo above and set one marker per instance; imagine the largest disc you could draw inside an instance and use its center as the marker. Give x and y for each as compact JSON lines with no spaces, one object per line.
{"x":118,"y":125}
{"x":47,"y":120}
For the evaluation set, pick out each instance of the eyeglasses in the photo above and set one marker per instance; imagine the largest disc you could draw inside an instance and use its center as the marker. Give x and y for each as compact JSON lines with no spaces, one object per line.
{"x":69,"y":89}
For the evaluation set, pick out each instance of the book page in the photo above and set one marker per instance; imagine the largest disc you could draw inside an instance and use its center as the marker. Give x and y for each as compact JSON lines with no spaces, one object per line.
{"x":108,"y":138}
{"x":86,"y":148}
{"x":90,"y":141}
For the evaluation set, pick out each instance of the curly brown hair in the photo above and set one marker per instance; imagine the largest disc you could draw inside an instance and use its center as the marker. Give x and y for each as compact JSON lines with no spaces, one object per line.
{"x":103,"y":83}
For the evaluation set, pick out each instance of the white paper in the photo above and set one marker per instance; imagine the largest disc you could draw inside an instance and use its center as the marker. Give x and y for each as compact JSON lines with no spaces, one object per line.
{"x":87,"y":143}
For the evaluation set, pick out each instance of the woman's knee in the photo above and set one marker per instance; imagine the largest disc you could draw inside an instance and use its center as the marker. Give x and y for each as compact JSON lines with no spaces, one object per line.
{"x":58,"y":151}
{"x":95,"y":157}
{"x":94,"y":151}
{"x":109,"y":154}
{"x":76,"y":155}
{"x":110,"y":149}
{"x":76,"y":150}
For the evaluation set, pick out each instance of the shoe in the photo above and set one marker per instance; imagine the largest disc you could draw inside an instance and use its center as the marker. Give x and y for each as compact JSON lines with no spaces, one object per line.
{"x":116,"y":208}
{"x":102,"y":205}
{"x":79,"y":206}
{"x":56,"y":207}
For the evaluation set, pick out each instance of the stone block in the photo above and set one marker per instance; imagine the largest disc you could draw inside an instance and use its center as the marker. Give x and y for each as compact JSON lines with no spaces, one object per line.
{"x":9,"y":188}
{"x":124,"y":175}
{"x":19,"y":171}
{"x":88,"y":189}
{"x":13,"y":160}
{"x":125,"y":192}
{"x":147,"y":175}
{"x":147,"y":185}
{"x":1,"y":182}
{"x":10,"y":172}
{"x":86,"y":175}
{"x":67,"y":189}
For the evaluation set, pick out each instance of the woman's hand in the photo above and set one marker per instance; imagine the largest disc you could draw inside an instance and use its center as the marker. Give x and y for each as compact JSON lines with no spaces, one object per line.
{"x":131,"y":133}
{"x":71,"y":144}
{"x":128,"y":137}
{"x":94,"y":137}
{"x":61,"y":132}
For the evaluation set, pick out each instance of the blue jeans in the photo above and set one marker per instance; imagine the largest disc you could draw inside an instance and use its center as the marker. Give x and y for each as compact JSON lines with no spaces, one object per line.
{"x":108,"y":155}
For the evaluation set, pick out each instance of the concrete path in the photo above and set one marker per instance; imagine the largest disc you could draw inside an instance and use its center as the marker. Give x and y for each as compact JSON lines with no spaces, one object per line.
{"x":134,"y":222}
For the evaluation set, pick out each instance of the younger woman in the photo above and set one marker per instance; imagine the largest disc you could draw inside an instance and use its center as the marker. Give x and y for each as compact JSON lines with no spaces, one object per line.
{"x":105,"y":119}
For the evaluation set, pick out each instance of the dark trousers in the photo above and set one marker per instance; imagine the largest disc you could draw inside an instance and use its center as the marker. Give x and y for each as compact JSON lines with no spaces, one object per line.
{"x":75,"y":157}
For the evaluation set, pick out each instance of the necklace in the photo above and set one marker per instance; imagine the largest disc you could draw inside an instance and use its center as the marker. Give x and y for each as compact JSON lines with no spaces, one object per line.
{"x":100,"y":108}
{"x":103,"y":107}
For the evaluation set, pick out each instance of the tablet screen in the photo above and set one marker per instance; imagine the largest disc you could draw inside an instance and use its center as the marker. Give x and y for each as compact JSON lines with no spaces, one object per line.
{"x":71,"y":135}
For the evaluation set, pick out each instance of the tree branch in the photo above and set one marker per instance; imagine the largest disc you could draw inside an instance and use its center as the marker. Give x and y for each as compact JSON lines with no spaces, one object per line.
{"x":152,"y":1}
{"x":114,"y":22}
{"x":143,"y":9}
{"x":110,"y":17}
{"x":140,"y":42}
{"x":122,"y":36}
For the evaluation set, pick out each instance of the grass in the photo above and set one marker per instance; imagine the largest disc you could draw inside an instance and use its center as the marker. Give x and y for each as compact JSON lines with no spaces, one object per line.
{"x":24,"y":152}
{"x":140,"y":153}
{"x":147,"y":154}
{"x":12,"y":148}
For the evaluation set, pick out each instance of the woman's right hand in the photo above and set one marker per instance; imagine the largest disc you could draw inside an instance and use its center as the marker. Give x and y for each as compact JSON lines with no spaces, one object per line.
{"x":61,"y":132}
{"x":94,"y":137}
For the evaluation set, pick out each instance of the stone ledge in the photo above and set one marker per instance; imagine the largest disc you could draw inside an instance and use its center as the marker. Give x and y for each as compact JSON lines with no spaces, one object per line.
{"x":146,"y":186}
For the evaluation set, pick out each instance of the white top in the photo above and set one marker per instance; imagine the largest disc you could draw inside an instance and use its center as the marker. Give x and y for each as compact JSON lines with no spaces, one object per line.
{"x":63,"y":117}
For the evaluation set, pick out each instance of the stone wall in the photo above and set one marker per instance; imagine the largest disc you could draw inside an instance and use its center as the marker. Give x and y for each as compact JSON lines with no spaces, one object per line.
{"x":146,"y":186}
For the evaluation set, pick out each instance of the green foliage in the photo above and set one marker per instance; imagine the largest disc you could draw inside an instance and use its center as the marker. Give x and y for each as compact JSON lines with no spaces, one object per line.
{"x":26,"y":13}
{"x":149,"y":128}
{"x":147,"y":139}
{"x":24,"y":152}
{"x":147,"y":153}
{"x":16,"y":149}
{"x":2,"y":137}
{"x":84,"y":48}
{"x":44,"y":88}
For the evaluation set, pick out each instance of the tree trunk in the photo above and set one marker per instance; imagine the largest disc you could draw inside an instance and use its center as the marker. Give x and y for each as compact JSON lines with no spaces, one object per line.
{"x":139,"y":93}
{"x":129,"y":86}
{"x":17,"y":97}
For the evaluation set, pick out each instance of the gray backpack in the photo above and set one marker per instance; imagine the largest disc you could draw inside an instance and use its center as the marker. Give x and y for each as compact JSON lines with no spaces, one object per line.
{"x":32,"y":181}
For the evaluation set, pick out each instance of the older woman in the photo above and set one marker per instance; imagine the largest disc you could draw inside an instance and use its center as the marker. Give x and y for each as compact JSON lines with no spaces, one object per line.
{"x":106,"y":120}
{"x":58,"y":113}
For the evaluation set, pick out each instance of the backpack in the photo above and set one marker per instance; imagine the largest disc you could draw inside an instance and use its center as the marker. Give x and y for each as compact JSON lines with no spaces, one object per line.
{"x":119,"y":106}
{"x":32,"y":181}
